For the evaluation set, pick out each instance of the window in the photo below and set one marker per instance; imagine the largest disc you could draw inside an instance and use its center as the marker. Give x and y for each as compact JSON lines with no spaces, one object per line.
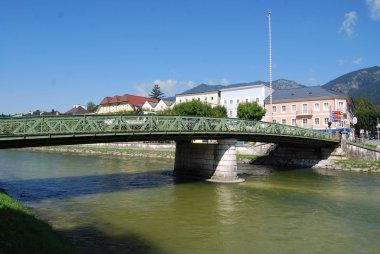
{"x":231,"y":113}
{"x":326,"y":106}
{"x":257,"y":99}
{"x":246,"y":99}
{"x":199,"y":99}
{"x":294,"y":122}
{"x":231,"y":101}
{"x":274,"y":109}
{"x":294,"y":108}
{"x":316,"y":106}
{"x":205,"y":98}
{"x":304,"y":123}
{"x":212,"y":98}
{"x":283,"y":108}
{"x":316,"y":121}
{"x":237,"y":101}
{"x":225,"y":102}
{"x":326,"y":121}
{"x":274,"y":121}
{"x":180,"y":100}
{"x":304,"y":108}
{"x":340,"y":105}
{"x":283,"y":121}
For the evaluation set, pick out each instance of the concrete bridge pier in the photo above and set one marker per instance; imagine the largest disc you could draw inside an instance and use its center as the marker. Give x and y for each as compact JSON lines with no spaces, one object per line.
{"x":213,"y":162}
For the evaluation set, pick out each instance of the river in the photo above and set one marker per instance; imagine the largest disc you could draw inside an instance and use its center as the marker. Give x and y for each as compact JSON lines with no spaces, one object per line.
{"x":109,"y":204}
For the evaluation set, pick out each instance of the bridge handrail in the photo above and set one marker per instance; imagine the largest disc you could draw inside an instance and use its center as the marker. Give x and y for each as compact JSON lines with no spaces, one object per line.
{"x":102,"y":124}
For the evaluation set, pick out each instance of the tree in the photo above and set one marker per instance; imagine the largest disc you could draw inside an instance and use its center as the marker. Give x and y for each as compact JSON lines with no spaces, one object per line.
{"x":219,"y":111}
{"x":91,"y":107}
{"x":156,"y":92}
{"x":250,"y":111}
{"x":193,"y":108}
{"x":367,"y":114}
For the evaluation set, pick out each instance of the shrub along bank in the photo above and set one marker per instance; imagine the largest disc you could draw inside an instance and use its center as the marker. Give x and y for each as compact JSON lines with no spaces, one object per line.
{"x":21,"y":232}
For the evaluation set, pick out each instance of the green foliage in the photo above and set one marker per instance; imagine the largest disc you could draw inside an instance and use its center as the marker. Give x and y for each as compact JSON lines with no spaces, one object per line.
{"x":219,"y":111}
{"x":156,"y":92}
{"x":362,"y":104}
{"x":193,"y":108}
{"x":21,"y":232}
{"x":135,"y":112}
{"x":92,"y":107}
{"x":166,"y":112}
{"x":367,"y":114}
{"x":250,"y":111}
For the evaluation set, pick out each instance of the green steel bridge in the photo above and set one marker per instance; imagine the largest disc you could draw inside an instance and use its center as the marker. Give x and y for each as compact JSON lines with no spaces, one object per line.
{"x":21,"y":132}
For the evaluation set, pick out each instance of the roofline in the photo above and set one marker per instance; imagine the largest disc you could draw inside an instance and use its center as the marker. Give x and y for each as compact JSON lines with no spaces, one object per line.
{"x":214,"y":91}
{"x":310,"y":99}
{"x":241,"y":87}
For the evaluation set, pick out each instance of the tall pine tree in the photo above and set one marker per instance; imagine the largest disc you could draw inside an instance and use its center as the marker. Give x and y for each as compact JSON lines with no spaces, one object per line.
{"x":156,"y":92}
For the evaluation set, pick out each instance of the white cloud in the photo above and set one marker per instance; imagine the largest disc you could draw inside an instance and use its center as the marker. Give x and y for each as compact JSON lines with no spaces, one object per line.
{"x":358,"y":61}
{"x":349,"y":23}
{"x":168,"y":87}
{"x":190,"y":84}
{"x":374,"y":8}
{"x":341,"y":62}
{"x":312,"y":79}
{"x":224,"y":82}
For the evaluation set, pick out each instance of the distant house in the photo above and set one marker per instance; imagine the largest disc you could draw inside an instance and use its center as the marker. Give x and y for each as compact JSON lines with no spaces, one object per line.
{"x":77,"y":110}
{"x":149,"y":106}
{"x":163,"y":105}
{"x":228,"y":96}
{"x":126,"y":102}
{"x":233,"y":95}
{"x":205,"y":93}
{"x":310,"y":107}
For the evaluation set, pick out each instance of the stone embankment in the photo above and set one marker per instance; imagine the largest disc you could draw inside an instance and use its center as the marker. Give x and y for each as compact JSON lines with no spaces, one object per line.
{"x":255,"y":153}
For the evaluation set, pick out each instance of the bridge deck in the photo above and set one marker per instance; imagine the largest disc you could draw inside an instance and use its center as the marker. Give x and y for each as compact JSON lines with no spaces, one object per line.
{"x":61,"y":130}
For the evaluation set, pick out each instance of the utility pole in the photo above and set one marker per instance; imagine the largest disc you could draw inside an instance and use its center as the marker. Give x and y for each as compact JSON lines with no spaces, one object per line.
{"x":270,"y":67}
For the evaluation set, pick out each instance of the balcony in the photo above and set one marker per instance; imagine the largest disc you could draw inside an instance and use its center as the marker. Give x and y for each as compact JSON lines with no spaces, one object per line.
{"x":304,"y":113}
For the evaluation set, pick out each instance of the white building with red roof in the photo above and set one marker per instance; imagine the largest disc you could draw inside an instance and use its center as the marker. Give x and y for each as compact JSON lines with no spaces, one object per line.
{"x":126,"y":102}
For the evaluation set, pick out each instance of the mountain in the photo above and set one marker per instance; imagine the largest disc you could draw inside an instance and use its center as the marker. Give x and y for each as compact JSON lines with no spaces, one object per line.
{"x":361,"y":83}
{"x":282,"y":84}
{"x":279,"y":84}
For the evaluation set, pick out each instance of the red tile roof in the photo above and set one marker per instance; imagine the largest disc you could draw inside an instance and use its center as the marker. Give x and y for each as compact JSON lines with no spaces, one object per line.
{"x":133,"y":100}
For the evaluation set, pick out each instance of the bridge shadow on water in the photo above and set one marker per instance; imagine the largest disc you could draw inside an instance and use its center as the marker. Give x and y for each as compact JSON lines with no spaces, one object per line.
{"x":34,"y":190}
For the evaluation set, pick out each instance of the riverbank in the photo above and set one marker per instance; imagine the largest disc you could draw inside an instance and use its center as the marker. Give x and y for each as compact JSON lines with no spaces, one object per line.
{"x":21,"y":232}
{"x":156,"y":152}
{"x":247,"y":155}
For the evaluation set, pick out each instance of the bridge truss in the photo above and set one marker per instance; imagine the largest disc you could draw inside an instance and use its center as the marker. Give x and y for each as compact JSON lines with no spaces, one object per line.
{"x":60,"y":130}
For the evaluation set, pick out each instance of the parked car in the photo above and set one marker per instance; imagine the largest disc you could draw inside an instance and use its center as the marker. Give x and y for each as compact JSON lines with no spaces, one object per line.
{"x":372,"y":136}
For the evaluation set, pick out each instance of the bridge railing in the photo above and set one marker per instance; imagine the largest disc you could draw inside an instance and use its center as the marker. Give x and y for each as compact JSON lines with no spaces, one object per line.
{"x":103,"y":124}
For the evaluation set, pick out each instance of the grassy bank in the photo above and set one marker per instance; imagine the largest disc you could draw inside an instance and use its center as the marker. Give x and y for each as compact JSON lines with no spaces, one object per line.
{"x":359,"y":164}
{"x":21,"y":232}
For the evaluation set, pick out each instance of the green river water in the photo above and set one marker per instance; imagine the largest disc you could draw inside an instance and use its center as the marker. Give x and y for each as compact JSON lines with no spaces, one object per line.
{"x":134,"y":205}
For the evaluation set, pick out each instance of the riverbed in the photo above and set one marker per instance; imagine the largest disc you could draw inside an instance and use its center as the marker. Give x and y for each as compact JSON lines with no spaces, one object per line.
{"x":106,"y":204}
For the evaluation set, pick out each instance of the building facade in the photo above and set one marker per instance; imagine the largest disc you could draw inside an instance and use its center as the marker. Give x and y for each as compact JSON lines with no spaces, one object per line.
{"x":230,"y":98}
{"x":210,"y":97}
{"x":126,"y":102}
{"x":310,"y":107}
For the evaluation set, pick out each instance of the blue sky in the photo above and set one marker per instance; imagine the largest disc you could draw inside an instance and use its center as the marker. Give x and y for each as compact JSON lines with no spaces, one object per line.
{"x":54,"y":54}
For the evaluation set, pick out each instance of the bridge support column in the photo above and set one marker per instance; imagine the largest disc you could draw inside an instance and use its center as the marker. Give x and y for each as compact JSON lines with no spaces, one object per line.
{"x":213,"y":162}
